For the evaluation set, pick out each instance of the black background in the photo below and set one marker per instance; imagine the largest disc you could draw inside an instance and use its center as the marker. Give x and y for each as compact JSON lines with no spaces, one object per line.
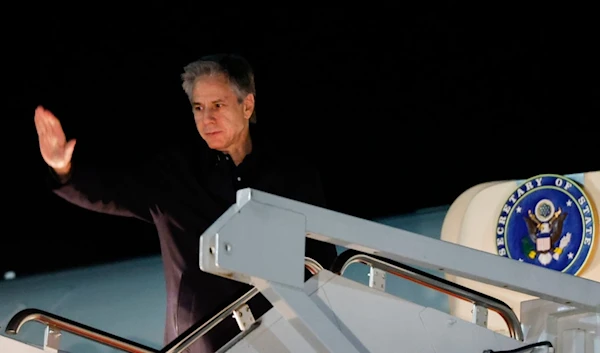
{"x":401,"y":107}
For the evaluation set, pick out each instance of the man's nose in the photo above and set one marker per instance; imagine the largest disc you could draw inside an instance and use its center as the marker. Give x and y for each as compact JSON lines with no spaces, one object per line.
{"x":209,"y":118}
{"x":205,"y":117}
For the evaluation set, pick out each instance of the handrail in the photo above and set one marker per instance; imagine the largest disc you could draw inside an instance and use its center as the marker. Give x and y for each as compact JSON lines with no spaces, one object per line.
{"x":349,"y":257}
{"x":61,"y":323}
{"x":190,"y":336}
{"x":24,"y":316}
{"x":312,"y":265}
{"x":195,"y":332}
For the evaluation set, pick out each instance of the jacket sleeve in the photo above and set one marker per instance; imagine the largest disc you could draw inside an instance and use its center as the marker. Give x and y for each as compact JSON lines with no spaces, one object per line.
{"x":114,"y":192}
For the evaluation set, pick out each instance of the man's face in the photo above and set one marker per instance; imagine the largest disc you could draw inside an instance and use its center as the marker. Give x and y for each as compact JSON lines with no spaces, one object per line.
{"x":220,"y":118}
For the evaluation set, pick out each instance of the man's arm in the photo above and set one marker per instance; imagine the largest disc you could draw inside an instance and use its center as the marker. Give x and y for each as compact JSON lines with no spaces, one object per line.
{"x":123,"y":194}
{"x":115,"y":192}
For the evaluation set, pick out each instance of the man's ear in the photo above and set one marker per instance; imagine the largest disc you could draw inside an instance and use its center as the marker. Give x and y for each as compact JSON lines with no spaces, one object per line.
{"x":248,"y":105}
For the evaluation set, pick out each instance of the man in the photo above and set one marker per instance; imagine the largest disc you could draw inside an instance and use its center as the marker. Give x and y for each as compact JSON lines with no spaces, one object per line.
{"x":183,"y":191}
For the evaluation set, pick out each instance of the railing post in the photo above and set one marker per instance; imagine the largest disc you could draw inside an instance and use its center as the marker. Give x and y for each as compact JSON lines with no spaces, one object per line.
{"x":243,"y":316}
{"x":376,"y":278}
{"x":52,"y":339}
{"x":480,"y":315}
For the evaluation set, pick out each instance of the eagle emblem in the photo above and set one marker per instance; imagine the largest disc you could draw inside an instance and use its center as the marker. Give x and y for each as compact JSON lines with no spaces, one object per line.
{"x":548,"y":220}
{"x":545,"y":228}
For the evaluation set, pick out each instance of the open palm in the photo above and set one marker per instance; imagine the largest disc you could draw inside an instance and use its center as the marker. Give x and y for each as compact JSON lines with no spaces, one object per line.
{"x":55,"y":149}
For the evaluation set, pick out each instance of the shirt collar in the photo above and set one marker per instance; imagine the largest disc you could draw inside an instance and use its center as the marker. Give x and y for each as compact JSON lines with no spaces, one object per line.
{"x":215,"y":158}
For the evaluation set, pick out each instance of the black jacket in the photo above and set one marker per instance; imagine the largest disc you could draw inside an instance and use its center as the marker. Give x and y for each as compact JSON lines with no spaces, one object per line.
{"x":183,"y":191}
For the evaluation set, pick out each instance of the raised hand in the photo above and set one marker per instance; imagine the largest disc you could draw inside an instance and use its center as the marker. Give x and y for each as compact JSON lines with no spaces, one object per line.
{"x":55,"y":149}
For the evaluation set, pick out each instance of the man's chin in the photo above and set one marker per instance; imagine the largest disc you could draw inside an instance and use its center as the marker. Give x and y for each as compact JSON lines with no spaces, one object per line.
{"x":215,"y":144}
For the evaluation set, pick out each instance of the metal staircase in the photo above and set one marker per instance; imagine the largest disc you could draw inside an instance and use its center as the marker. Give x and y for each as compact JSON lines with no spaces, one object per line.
{"x":330,"y":313}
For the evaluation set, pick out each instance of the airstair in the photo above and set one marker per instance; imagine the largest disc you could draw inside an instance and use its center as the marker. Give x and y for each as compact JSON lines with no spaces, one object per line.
{"x":331,"y":313}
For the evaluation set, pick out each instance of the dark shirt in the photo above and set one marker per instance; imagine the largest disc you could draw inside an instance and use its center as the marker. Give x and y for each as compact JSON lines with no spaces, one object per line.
{"x":183,"y":191}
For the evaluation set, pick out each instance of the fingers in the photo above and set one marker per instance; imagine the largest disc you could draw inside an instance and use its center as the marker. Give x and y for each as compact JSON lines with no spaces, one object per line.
{"x":45,"y":117}
{"x":47,"y":123}
{"x":38,"y":119}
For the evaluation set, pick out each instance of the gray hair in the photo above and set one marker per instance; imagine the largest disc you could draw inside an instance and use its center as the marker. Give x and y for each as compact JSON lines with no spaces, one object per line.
{"x":236,"y":70}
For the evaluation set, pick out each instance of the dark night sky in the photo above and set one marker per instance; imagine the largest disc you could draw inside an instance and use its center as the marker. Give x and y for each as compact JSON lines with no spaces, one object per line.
{"x":401,"y":108}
